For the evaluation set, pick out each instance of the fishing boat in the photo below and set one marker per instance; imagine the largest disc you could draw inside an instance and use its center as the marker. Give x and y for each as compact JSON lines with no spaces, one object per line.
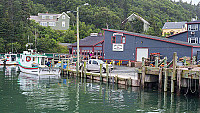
{"x":33,"y":63}
{"x":9,"y":59}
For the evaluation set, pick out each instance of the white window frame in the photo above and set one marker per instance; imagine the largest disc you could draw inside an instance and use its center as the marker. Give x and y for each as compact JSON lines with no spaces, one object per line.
{"x":193,"y":39}
{"x":63,"y":24}
{"x":52,"y":24}
{"x":193,"y":27}
{"x":50,"y":17}
{"x":43,"y":23}
{"x":63,"y":16}
{"x":43,"y":17}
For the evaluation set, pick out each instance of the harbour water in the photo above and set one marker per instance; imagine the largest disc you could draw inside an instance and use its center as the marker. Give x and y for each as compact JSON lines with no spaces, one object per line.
{"x":24,"y":93}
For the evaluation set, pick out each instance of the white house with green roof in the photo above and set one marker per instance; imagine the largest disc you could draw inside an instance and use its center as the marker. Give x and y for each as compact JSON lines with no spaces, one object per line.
{"x":55,"y":21}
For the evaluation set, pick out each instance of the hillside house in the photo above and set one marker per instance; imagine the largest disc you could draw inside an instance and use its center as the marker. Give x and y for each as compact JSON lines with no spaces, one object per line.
{"x":55,"y":21}
{"x":172,"y":28}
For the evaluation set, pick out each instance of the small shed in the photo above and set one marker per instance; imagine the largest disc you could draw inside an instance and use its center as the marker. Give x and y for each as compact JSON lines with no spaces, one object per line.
{"x":129,"y":46}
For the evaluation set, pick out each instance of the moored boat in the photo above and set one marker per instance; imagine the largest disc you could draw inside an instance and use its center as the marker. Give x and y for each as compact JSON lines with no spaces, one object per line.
{"x":34,"y":63}
{"x":9,"y":59}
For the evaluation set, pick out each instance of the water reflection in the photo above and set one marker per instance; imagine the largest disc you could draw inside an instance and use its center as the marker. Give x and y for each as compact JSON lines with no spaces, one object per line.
{"x":53,"y":94}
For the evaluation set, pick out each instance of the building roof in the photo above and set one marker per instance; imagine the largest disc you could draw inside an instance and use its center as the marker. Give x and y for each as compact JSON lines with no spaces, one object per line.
{"x":155,"y":38}
{"x":132,"y":16}
{"x":90,"y":41}
{"x":65,"y":44}
{"x":194,"y":22}
{"x":174,"y":25}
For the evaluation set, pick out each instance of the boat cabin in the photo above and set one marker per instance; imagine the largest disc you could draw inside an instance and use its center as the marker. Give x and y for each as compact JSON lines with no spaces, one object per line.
{"x":32,"y":58}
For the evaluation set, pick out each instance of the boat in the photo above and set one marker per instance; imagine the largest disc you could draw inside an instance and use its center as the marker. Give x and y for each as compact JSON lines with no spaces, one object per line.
{"x":34,"y":63}
{"x":9,"y":59}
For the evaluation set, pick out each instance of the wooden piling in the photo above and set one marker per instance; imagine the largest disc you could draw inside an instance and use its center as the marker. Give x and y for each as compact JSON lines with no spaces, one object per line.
{"x":166,"y":76}
{"x":113,"y":64}
{"x":174,"y":71}
{"x":199,"y":86}
{"x":82,"y":71}
{"x":160,"y":79}
{"x":130,"y":82}
{"x":179,"y":82}
{"x":116,"y":79}
{"x":101,"y":72}
{"x":143,"y":72}
{"x":166,"y":80}
{"x":67,"y":67}
{"x":85,"y":76}
{"x":77,"y":73}
{"x":156,"y":61}
{"x":107,"y":73}
{"x":62,"y":67}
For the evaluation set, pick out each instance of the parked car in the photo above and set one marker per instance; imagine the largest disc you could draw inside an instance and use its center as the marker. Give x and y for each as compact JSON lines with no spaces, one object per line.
{"x":94,"y":65}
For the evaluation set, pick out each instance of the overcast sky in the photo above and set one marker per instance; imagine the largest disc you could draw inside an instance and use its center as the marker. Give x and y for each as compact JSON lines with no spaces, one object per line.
{"x":193,"y":1}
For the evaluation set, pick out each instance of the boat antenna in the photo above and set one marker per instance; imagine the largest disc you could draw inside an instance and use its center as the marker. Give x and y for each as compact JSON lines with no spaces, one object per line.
{"x":35,"y":37}
{"x":28,"y":38}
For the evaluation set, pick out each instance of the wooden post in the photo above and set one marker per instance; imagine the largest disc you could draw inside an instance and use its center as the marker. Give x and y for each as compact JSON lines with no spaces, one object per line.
{"x":82,"y":71}
{"x":116,"y":79}
{"x":174,"y":71}
{"x":184,"y":61}
{"x":166,"y":75}
{"x":130,"y":82}
{"x":107,"y":73}
{"x":62,"y":67}
{"x":143,"y":61}
{"x":143,"y":72}
{"x":77,"y":70}
{"x":101,"y":72}
{"x":143,"y":76}
{"x":67,"y":66}
{"x":193,"y":60}
{"x":52,"y":62}
{"x":160,"y":79}
{"x":199,"y":86}
{"x":156,"y":61}
{"x":113,"y":64}
{"x":85,"y":76}
{"x":179,"y":82}
{"x":59,"y":57}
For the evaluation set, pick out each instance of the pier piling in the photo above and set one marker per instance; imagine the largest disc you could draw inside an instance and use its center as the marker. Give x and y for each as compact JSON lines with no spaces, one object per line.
{"x":160,"y":79}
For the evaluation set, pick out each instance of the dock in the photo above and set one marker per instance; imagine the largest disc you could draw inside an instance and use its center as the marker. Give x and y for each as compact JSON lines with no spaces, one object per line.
{"x":170,"y":77}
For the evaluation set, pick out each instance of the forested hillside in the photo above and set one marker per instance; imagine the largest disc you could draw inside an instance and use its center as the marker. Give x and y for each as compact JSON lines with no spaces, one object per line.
{"x":16,"y":28}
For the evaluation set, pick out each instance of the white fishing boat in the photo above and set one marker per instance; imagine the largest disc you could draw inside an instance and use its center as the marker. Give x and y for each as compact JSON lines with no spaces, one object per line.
{"x":34,"y":63}
{"x":9,"y":59}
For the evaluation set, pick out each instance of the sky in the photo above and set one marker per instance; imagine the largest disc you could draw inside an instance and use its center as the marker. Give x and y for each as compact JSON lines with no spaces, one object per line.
{"x":188,"y":1}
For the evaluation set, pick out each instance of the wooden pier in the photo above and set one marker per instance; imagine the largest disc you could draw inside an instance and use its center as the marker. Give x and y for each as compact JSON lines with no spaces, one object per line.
{"x":173,"y":79}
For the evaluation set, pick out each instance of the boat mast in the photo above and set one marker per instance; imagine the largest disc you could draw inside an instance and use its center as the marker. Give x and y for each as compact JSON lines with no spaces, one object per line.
{"x":35,"y":37}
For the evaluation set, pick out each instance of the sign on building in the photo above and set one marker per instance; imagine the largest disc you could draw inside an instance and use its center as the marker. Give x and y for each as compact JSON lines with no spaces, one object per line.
{"x":118,"y":47}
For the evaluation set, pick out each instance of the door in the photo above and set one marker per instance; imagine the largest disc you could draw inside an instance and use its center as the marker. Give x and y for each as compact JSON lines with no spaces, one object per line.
{"x":141,"y":52}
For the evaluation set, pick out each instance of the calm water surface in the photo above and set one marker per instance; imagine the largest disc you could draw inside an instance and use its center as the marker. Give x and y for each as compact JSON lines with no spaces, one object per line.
{"x":23,"y":93}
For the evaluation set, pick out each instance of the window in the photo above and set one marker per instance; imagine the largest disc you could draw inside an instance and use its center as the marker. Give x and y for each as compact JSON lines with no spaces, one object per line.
{"x":113,"y":39}
{"x":63,"y":24}
{"x":90,"y":62}
{"x":52,"y":24}
{"x":95,"y":62}
{"x":63,"y":16}
{"x":50,"y":17}
{"x":193,"y":27}
{"x":43,"y":23}
{"x":123,"y":39}
{"x":43,"y":17}
{"x":193,"y":40}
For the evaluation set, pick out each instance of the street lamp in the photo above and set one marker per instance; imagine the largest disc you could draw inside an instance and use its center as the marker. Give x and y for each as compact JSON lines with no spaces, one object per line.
{"x":78,"y":36}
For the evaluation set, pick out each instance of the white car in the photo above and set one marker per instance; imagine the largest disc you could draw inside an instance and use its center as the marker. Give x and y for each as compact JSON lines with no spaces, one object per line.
{"x":94,"y":65}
